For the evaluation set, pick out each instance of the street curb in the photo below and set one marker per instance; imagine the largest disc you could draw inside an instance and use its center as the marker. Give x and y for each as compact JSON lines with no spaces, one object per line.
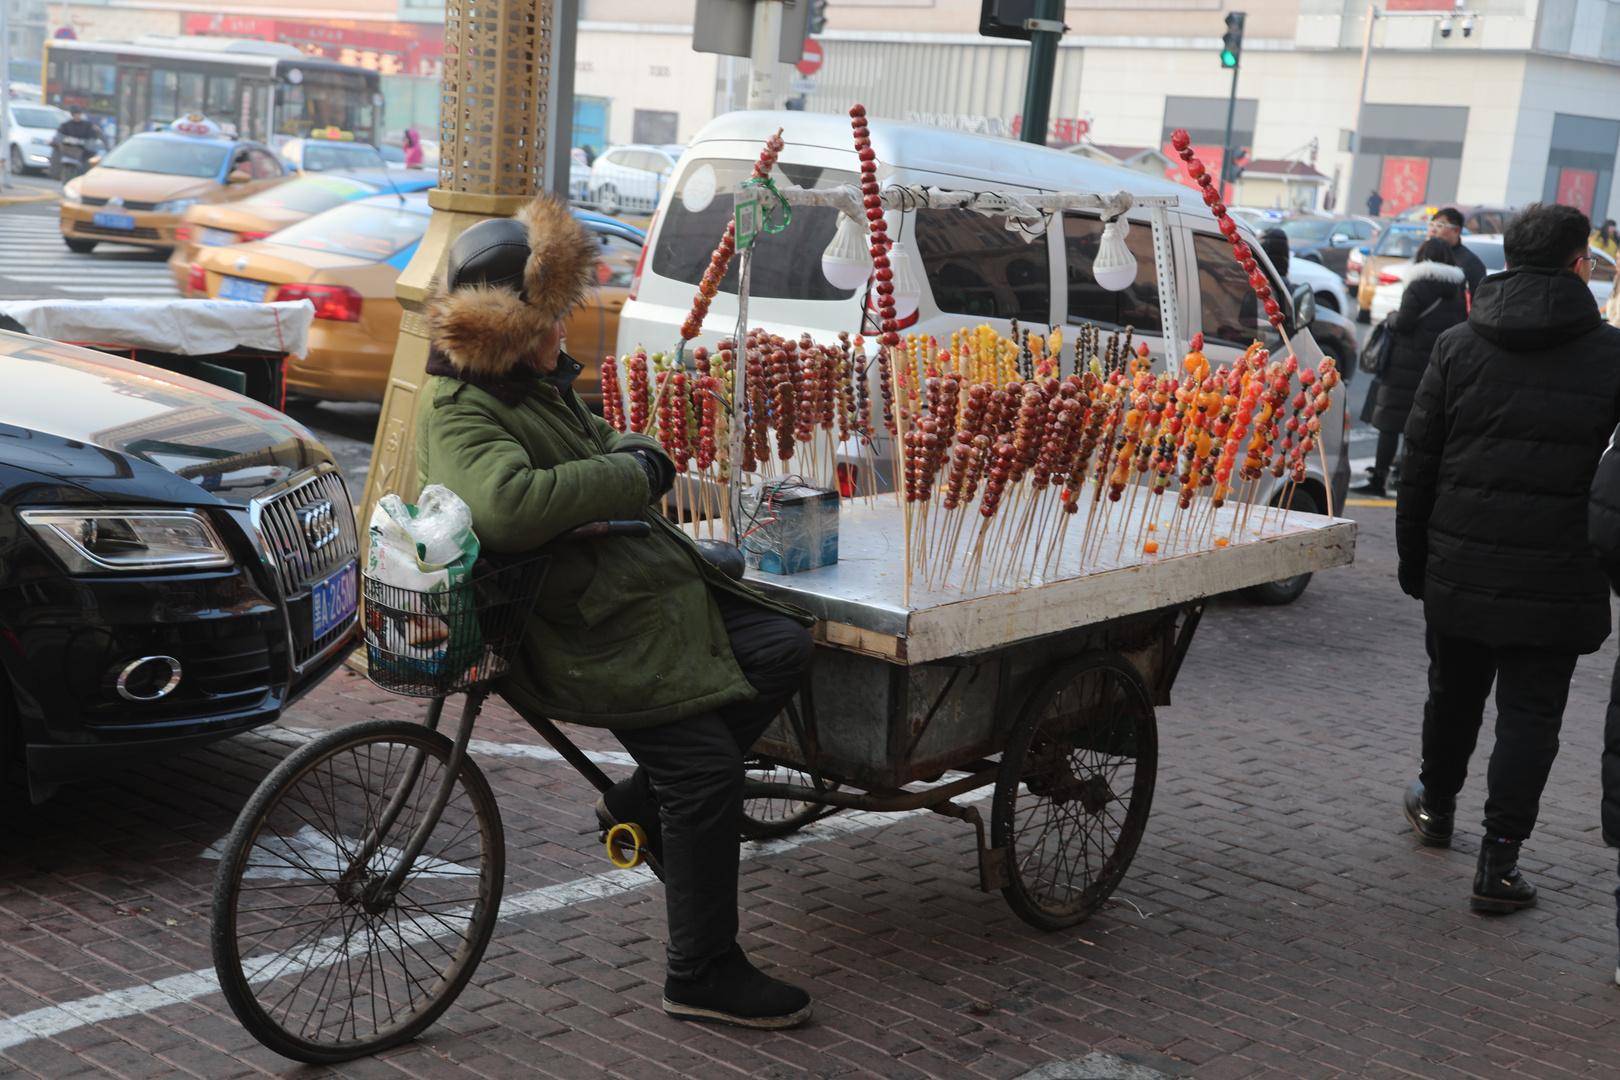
{"x":1369,"y":502}
{"x":16,"y":200}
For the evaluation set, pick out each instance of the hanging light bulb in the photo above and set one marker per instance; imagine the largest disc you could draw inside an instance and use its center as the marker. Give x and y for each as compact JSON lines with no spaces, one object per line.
{"x":1115,"y":266}
{"x":907,"y":290}
{"x":846,"y":264}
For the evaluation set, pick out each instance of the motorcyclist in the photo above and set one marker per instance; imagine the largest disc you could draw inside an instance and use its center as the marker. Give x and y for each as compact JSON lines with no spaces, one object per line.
{"x":82,"y":131}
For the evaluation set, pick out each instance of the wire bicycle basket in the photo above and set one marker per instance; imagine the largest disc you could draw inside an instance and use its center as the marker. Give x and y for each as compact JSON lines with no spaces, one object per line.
{"x":434,"y":644}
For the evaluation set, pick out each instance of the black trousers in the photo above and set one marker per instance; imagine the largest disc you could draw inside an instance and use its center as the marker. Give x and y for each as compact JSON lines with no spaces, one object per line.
{"x":1532,"y":686}
{"x":695,"y":766}
{"x":1388,"y":442}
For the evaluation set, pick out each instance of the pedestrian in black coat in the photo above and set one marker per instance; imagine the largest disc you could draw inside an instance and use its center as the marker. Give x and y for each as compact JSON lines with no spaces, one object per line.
{"x":1432,"y":304}
{"x":1603,"y":529}
{"x":1504,"y":437}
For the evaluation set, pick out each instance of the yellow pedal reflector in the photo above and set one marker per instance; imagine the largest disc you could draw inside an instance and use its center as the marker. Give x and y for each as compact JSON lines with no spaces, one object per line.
{"x":626,"y":834}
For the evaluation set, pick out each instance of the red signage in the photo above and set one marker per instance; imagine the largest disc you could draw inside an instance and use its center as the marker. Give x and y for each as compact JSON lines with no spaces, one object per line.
{"x":388,"y":47}
{"x":1404,"y":183}
{"x":812,"y":58}
{"x":1576,"y":187}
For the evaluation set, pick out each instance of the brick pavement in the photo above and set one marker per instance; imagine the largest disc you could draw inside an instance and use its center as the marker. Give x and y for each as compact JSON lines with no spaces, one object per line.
{"x":1279,"y":920}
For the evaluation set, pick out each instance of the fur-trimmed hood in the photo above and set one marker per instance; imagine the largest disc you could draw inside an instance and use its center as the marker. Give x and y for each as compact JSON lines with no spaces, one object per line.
{"x":493,"y":332}
{"x":1436,"y":271}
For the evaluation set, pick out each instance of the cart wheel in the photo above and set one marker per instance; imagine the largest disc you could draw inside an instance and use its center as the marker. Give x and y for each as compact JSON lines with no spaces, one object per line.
{"x":313,"y":963}
{"x":1074,"y":790}
{"x":765,"y":819}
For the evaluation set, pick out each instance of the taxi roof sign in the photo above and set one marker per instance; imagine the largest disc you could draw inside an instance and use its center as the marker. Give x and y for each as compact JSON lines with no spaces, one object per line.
{"x":332,"y":133}
{"x":196,"y":124}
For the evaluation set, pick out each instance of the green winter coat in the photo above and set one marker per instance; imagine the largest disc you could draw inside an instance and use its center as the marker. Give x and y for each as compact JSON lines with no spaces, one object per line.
{"x":625,"y":633}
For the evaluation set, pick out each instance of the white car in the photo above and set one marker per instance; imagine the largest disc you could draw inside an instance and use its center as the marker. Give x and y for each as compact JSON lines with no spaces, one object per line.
{"x":29,"y":130}
{"x":1328,"y":286}
{"x":325,"y":155}
{"x":632,"y":177}
{"x":1392,"y":278}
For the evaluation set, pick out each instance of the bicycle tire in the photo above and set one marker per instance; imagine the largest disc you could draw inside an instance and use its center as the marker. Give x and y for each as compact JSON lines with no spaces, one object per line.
{"x":361,"y":941}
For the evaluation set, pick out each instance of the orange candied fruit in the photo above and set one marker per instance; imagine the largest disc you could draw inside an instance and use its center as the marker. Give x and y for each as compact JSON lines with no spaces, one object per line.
{"x":1153,"y":526}
{"x":1221,"y":541}
{"x":1151,"y":547}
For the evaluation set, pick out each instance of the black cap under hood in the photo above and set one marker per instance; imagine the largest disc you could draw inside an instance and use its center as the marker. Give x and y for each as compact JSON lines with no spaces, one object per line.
{"x":1533,"y":308}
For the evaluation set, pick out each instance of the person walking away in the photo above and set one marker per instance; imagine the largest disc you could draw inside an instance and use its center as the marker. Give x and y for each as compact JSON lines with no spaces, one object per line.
{"x":1607,"y":240}
{"x":1375,"y":203}
{"x":1447,"y":225}
{"x":1506,"y":429}
{"x":413,"y":149}
{"x":641,"y":636}
{"x":1432,"y":304}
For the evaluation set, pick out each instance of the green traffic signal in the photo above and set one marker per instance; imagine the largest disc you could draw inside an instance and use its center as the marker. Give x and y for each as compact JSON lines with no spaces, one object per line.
{"x":1228,"y":58}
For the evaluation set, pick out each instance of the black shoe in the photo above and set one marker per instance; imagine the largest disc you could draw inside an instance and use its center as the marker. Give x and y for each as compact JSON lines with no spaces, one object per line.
{"x":626,"y":803}
{"x":1430,"y":815}
{"x":1498,"y":885}
{"x":733,"y":991}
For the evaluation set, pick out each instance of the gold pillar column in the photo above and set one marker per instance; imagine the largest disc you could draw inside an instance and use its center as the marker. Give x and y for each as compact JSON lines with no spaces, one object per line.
{"x":492,"y":160}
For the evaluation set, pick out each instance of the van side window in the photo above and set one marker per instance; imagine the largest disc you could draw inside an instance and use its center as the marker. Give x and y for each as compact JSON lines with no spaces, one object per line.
{"x":1137,"y":305}
{"x":1231,"y":312}
{"x":977,"y":268}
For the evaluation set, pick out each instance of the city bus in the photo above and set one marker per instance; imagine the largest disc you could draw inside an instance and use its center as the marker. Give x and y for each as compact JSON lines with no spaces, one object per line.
{"x":267,"y":91}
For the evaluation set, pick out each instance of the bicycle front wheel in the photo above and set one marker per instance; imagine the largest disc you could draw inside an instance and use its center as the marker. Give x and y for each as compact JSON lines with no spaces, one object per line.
{"x":318,"y":961}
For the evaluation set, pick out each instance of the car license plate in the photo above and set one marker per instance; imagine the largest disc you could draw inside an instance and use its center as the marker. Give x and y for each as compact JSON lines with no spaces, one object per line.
{"x":217,"y":237}
{"x":334,"y":600}
{"x":113,"y":221}
{"x":235,"y":288}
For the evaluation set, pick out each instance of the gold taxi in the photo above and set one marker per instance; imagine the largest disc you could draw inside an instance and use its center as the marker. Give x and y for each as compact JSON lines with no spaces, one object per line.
{"x":257,"y":216}
{"x":138,"y":191}
{"x":1396,"y":242}
{"x":346,"y":260}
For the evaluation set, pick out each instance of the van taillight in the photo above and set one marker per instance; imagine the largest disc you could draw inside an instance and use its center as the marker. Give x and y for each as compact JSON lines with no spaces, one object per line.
{"x":635,"y":282}
{"x":196,"y":279}
{"x":336,"y":302}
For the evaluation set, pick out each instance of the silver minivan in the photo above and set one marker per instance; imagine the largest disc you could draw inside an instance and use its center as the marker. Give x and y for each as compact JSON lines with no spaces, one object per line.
{"x":971,"y":269}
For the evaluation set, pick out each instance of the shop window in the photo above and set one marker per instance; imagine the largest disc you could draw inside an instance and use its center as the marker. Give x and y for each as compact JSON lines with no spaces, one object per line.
{"x":977,"y":268}
{"x":1136,"y":306}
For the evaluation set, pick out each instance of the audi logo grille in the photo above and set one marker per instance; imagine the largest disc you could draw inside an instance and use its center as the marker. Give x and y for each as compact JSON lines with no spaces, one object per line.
{"x":318,"y":523}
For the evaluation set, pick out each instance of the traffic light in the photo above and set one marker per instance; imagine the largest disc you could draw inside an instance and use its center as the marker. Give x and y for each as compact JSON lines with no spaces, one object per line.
{"x":817,"y":21}
{"x":1232,"y":40}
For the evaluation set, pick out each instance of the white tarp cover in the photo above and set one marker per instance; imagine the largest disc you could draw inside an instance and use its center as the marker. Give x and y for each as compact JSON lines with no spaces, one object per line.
{"x":183,"y":327}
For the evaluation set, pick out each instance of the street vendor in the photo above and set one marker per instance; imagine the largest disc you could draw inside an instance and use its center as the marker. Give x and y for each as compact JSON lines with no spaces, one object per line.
{"x":638,"y":635}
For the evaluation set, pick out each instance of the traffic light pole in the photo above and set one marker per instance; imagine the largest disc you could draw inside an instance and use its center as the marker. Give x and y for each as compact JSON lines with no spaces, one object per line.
{"x":1226,"y":145}
{"x":1046,"y":30}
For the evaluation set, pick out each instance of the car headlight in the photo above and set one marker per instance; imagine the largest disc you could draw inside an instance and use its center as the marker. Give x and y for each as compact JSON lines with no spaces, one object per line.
{"x":175,"y":206}
{"x":112,"y":541}
{"x":71,"y":194}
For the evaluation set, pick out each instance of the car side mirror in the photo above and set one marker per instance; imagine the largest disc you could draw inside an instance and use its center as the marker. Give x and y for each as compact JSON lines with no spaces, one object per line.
{"x":95,"y":160}
{"x":1304,"y":307}
{"x":237,"y":176}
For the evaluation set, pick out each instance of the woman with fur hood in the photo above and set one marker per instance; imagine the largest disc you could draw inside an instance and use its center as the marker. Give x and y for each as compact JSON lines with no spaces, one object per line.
{"x":638,"y":635}
{"x":1432,"y":304}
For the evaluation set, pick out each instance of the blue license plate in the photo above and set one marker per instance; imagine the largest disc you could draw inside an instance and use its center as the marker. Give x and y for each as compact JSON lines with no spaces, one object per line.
{"x":235,"y":288}
{"x":217,"y":237}
{"x":114,"y":221}
{"x":333,"y":600}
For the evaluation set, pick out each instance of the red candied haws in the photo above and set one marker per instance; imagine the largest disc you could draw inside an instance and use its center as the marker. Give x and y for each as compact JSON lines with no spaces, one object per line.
{"x":1182,"y":143}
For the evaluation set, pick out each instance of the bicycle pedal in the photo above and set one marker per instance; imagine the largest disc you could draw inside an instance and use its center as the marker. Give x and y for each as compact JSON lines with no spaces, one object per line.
{"x":620,"y":836}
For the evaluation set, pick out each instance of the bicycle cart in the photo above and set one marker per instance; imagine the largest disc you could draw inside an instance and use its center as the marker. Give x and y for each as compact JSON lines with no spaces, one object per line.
{"x":362,"y":881}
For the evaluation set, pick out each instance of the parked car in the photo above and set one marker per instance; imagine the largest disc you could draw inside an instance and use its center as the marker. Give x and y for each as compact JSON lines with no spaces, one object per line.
{"x":257,"y":216}
{"x":137,"y":193}
{"x":347,"y":259}
{"x":177,"y":563}
{"x":1328,"y":241}
{"x":969,"y":269}
{"x":1331,"y":294}
{"x":631,"y":177}
{"x":1396,"y":242}
{"x":28,"y":133}
{"x":331,"y":153}
{"x":1392,"y":278}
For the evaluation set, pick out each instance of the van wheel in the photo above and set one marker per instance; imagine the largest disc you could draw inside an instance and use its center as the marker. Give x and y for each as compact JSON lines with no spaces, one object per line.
{"x":83,"y":247}
{"x":19,"y":167}
{"x":607,"y":200}
{"x":1286,"y":591}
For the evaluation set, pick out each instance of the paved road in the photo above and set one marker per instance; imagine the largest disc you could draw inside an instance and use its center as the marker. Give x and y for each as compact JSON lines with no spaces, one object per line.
{"x":1279,"y":920}
{"x":38,"y":265}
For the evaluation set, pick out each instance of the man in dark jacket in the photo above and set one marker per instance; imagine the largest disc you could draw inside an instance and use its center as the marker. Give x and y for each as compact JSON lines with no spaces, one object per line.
{"x":642,"y":636}
{"x":1505,"y":432}
{"x":1447,"y":224}
{"x":1603,"y":529}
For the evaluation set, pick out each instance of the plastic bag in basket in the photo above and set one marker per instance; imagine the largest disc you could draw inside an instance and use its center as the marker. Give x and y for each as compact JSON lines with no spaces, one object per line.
{"x":418,"y":623}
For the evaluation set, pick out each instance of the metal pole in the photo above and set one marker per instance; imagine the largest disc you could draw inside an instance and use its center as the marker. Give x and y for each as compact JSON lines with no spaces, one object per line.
{"x":1361,"y":95}
{"x":5,"y":89}
{"x":560,"y":98}
{"x":1226,"y":144}
{"x":767,"y":52}
{"x":1046,"y":29}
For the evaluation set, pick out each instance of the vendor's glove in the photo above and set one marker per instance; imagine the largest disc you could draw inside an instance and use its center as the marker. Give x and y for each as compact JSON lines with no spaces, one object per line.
{"x":1411,"y":581}
{"x":660,"y":472}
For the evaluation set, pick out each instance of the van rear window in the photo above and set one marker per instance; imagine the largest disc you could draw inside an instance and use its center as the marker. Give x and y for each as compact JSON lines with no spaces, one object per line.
{"x":787,"y":265}
{"x":977,"y":268}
